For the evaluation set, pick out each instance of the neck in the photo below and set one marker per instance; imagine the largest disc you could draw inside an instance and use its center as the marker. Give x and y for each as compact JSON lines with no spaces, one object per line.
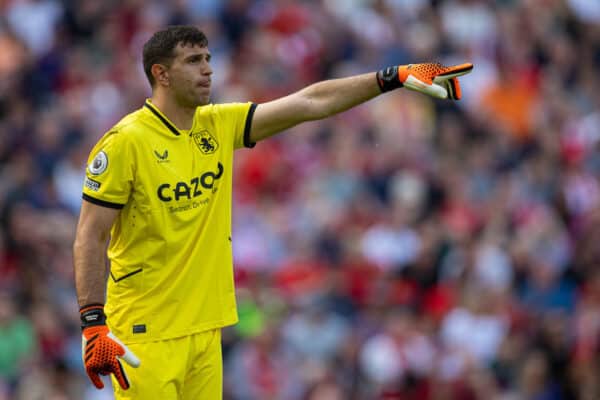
{"x":182,"y":117}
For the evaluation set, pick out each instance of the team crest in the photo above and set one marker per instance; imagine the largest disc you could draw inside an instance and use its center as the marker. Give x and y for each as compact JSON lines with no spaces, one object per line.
{"x":206,"y":142}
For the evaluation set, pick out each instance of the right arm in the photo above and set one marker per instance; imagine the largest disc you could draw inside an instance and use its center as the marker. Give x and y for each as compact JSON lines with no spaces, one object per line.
{"x":89,"y":252}
{"x":101,"y":350}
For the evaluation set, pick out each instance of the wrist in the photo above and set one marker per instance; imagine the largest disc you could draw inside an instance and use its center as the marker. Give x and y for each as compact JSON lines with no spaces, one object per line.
{"x":388,"y":79}
{"x":92,"y":315}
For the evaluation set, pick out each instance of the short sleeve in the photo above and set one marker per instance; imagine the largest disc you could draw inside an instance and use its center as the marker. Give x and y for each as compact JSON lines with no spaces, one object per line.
{"x":236,"y":118}
{"x":109,"y":173}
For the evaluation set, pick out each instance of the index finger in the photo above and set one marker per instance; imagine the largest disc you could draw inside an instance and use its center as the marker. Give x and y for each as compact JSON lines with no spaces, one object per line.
{"x":455,"y":71}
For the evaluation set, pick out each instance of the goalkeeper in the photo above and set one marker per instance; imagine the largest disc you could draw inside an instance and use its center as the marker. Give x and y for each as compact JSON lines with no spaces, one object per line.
{"x":158,"y":185}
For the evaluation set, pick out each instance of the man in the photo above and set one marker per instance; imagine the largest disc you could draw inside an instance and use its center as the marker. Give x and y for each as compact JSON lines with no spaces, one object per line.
{"x":159,"y":185}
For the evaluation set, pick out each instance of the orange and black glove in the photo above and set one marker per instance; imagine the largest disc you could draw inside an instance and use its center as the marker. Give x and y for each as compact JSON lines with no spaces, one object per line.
{"x":433,"y":79}
{"x":101,"y":350}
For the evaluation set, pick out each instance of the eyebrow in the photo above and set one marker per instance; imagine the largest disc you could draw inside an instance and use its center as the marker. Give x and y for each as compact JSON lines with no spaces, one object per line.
{"x":199,"y":55}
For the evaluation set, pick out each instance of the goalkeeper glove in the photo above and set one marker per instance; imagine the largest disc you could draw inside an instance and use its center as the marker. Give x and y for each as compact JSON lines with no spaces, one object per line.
{"x":433,"y":79}
{"x":101,"y":349}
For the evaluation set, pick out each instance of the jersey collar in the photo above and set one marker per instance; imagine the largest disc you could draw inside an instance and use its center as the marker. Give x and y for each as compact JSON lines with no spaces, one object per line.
{"x":161,"y":117}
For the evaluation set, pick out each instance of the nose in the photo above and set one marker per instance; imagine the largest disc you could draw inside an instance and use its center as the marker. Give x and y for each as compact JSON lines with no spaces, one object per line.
{"x":206,"y":68}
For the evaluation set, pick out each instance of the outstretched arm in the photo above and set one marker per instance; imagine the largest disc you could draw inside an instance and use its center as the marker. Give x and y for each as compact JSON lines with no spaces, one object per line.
{"x":326,"y":98}
{"x":317,"y":101}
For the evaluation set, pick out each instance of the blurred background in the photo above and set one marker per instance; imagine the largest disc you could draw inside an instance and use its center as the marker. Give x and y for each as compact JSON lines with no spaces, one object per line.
{"x":407,"y":249}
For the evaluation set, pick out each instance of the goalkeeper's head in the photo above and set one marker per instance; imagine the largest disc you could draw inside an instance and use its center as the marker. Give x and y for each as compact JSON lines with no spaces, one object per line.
{"x":176,"y":61}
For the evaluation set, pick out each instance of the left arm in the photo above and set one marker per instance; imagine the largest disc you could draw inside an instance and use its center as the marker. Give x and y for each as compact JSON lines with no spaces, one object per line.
{"x":326,"y":98}
{"x":317,"y":101}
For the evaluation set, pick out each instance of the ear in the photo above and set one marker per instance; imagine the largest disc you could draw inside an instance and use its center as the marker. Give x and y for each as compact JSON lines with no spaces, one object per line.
{"x":160,"y":74}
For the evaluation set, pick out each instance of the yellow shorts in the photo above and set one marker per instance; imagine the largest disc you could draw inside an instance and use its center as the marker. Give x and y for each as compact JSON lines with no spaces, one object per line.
{"x":186,"y":368}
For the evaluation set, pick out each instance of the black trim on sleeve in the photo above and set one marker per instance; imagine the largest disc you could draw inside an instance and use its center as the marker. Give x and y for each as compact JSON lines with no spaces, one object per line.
{"x":248,"y":126}
{"x":102,"y":203}
{"x":162,"y":119}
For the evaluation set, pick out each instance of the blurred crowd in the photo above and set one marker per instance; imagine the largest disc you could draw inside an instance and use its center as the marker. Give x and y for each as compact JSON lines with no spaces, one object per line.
{"x":407,"y":249}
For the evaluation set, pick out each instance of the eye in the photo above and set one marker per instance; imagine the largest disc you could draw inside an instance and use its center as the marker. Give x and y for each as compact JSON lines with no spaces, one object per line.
{"x":198,"y":59}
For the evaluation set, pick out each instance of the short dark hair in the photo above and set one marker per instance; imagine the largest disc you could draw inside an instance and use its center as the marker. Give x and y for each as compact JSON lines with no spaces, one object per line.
{"x":159,"y":48}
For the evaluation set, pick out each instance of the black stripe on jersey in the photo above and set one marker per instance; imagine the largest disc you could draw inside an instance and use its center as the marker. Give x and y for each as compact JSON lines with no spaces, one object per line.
{"x":162,"y":119}
{"x":137,"y":271}
{"x":102,"y":203}
{"x":248,"y":126}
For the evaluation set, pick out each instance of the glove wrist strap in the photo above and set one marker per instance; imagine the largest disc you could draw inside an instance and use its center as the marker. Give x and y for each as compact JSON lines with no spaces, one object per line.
{"x":92,"y":315}
{"x":388,"y":79}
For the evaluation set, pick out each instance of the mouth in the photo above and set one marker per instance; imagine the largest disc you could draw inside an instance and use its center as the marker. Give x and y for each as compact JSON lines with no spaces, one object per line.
{"x":204,"y":84}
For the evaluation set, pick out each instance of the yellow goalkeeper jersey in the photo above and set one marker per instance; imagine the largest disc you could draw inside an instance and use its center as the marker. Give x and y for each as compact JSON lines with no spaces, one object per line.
{"x":171,"y":268}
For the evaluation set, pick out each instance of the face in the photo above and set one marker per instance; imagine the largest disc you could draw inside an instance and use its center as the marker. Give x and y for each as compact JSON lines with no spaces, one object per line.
{"x":189,"y":76}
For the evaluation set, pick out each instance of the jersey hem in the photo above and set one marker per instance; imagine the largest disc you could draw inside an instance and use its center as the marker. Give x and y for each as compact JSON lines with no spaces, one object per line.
{"x":193,"y":331}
